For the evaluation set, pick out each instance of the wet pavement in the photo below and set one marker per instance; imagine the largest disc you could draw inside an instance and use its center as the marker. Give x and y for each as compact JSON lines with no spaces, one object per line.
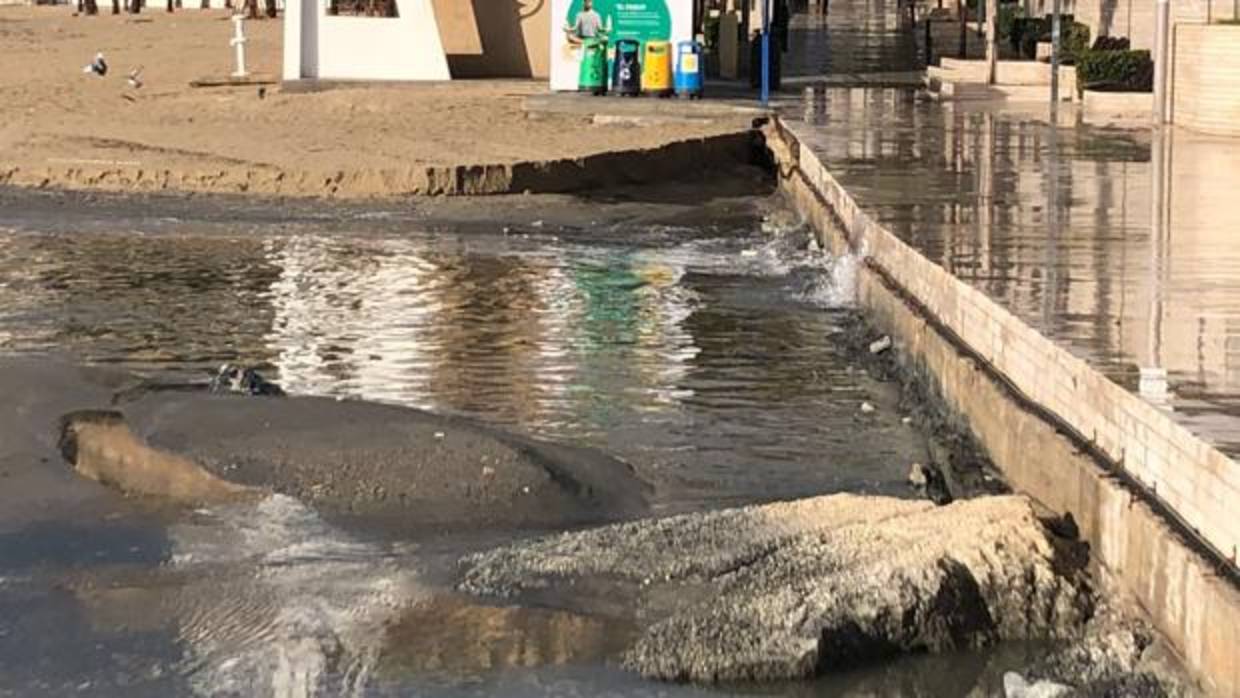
{"x":1115,"y":242}
{"x":856,"y":37}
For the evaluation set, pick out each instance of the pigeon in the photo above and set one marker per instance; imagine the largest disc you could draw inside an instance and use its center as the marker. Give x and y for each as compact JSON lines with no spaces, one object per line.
{"x":98,"y":66}
{"x":135,"y":78}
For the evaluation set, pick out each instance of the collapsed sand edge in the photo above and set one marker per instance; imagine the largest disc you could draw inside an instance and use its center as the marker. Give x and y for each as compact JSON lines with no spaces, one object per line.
{"x":564,"y":175}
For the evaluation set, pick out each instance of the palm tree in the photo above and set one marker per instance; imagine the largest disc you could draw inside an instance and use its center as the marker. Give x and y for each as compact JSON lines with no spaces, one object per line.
{"x":91,"y":7}
{"x":271,"y":9}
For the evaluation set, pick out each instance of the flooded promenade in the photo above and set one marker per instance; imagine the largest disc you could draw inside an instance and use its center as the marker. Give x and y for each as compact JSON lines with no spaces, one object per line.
{"x":1113,"y":242}
{"x":1070,"y":288}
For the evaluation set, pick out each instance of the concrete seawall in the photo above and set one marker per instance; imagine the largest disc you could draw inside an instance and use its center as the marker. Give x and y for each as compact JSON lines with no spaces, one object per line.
{"x":1151,"y":498}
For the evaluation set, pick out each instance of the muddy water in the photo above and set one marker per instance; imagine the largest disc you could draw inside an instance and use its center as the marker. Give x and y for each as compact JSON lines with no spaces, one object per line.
{"x":708,"y":354}
{"x":701,"y":342}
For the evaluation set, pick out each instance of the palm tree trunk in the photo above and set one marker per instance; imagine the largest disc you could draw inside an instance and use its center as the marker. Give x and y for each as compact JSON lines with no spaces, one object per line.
{"x":271,"y":9}
{"x":91,"y":7}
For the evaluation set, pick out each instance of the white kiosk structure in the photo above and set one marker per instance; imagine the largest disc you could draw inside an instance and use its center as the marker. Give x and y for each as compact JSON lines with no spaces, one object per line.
{"x":326,"y":47}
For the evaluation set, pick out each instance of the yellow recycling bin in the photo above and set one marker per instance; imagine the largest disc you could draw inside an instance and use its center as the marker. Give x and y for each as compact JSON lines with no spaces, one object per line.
{"x":657,"y":69}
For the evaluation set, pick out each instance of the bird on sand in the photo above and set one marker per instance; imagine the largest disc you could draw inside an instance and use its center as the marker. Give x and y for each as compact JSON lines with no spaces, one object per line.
{"x":98,"y":66}
{"x":135,"y":78}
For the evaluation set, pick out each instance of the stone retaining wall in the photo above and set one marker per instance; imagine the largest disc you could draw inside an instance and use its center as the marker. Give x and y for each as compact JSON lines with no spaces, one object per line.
{"x":1135,"y":481}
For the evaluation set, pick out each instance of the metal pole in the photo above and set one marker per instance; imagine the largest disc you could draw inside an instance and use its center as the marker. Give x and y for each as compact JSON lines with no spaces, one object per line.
{"x":766,"y":53}
{"x":238,"y":42}
{"x":963,"y":11}
{"x":992,"y":41}
{"x":1055,"y":46}
{"x":1162,"y":17}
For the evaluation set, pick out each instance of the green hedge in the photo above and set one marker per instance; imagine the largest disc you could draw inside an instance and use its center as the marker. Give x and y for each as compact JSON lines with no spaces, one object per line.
{"x":1007,"y":20}
{"x":1074,"y":43}
{"x":1073,"y":39}
{"x":1115,"y":71}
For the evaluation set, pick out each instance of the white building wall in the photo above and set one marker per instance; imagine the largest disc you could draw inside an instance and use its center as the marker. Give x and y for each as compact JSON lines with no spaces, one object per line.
{"x":407,"y":47}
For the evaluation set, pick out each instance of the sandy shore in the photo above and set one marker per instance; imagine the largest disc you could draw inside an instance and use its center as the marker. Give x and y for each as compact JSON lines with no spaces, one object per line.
{"x":60,"y":127}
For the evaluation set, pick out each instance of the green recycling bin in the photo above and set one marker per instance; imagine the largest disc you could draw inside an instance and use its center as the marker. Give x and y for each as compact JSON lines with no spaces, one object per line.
{"x":593,"y":75}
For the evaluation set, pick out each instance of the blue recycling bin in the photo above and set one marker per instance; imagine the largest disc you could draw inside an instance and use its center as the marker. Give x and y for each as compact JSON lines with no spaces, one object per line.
{"x":689,"y":70}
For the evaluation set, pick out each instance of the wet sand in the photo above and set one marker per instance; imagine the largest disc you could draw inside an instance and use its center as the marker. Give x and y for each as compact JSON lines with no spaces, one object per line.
{"x":63,"y":128}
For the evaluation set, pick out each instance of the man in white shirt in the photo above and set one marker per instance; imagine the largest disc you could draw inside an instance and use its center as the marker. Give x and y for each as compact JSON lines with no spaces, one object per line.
{"x":587,"y":25}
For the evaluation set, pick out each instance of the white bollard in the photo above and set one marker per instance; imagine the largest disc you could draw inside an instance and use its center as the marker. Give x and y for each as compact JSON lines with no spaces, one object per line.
{"x":238,"y":43}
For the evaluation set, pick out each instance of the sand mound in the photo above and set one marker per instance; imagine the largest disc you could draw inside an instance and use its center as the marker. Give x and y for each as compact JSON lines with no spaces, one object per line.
{"x":793,"y":589}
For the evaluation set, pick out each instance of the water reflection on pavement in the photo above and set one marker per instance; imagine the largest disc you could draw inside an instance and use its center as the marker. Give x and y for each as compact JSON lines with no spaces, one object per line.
{"x":1115,"y":242}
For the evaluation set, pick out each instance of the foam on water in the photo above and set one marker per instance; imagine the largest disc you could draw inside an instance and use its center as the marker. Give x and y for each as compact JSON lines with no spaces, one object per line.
{"x":288,"y":605}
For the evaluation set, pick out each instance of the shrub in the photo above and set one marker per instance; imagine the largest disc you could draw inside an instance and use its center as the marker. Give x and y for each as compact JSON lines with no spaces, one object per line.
{"x":1006,"y":23}
{"x":1026,"y":34}
{"x":1111,"y":43}
{"x":1073,"y":39}
{"x":1074,"y":43}
{"x":1115,"y":71}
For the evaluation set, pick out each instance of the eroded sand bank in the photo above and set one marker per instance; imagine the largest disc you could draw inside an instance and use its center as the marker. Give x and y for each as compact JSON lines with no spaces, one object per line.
{"x":62,"y":128}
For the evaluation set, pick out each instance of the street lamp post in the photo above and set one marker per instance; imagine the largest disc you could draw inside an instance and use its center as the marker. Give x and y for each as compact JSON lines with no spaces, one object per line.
{"x":1162,"y":21}
{"x":992,"y":41}
{"x":766,"y":53}
{"x":1055,"y":44}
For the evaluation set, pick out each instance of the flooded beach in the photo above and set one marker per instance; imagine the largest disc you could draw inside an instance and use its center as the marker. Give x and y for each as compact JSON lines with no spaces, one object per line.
{"x":703,"y":344}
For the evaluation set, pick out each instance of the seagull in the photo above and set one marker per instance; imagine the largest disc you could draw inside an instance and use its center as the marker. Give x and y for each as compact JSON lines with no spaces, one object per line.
{"x":135,"y":78}
{"x":98,"y":66}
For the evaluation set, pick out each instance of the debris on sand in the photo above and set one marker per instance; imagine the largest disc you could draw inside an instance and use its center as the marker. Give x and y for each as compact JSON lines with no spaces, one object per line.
{"x":98,"y":66}
{"x":244,"y":381}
